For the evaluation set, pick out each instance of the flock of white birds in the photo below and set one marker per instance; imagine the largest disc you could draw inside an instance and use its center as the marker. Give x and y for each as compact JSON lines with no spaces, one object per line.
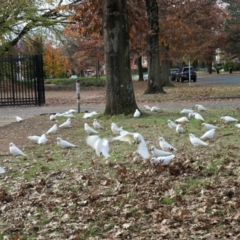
{"x":101,"y":145}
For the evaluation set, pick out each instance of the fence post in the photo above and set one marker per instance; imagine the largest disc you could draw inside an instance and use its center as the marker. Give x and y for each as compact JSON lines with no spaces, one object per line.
{"x":78,"y":95}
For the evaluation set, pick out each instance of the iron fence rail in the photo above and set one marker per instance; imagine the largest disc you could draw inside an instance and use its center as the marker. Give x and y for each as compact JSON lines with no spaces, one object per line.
{"x":21,"y":80}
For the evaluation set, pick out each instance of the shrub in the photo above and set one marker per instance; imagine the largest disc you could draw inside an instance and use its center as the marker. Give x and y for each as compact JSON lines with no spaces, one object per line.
{"x":236,"y":66}
{"x":84,"y":81}
{"x":227,"y":65}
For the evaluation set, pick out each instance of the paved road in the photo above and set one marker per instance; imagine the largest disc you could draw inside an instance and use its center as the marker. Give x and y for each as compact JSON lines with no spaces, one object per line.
{"x":224,"y":79}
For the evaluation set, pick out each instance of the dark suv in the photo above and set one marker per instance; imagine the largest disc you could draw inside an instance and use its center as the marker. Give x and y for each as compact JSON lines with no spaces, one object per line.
{"x":184,"y":74}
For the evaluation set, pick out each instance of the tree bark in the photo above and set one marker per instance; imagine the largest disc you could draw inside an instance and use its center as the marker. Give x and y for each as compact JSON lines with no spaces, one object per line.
{"x":155,"y":84}
{"x":120,"y":98}
{"x":165,"y":67}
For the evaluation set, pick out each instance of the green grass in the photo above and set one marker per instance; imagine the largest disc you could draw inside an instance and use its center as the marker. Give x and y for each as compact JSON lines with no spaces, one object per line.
{"x":72,"y":192}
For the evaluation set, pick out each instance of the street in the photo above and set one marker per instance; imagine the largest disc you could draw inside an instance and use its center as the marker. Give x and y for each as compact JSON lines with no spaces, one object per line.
{"x":226,"y":79}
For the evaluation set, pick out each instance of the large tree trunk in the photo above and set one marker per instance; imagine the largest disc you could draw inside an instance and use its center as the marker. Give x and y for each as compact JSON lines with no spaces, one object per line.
{"x":120,"y":98}
{"x":155,"y":84}
{"x":165,"y":66}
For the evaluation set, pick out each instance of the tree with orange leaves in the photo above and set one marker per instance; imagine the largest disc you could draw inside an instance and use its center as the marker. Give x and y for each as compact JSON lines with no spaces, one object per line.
{"x":55,"y":63}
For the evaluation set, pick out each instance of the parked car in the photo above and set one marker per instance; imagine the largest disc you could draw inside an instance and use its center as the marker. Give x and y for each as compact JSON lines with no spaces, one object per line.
{"x":173,"y":73}
{"x":74,"y":76}
{"x":184,"y":74}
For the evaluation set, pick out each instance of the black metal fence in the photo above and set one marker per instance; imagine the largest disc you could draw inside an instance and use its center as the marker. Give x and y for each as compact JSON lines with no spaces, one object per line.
{"x":21,"y":80}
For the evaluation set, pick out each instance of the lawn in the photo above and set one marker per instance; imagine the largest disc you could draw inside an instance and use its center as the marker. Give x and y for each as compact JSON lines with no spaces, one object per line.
{"x":59,"y":193}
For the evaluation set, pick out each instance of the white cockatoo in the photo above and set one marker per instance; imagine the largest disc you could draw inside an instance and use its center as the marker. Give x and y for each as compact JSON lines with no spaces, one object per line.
{"x":196,"y":142}
{"x":52,"y":130}
{"x":136,"y":113}
{"x":200,"y":107}
{"x":19,"y":119}
{"x":89,"y":129}
{"x":96,"y":124}
{"x":159,"y":153}
{"x":34,"y":138}
{"x":15,"y":151}
{"x":228,"y":119}
{"x":66,"y":124}
{"x":209,"y":134}
{"x":165,"y":146}
{"x":208,"y":126}
{"x":42,"y":140}
{"x":164,"y":160}
{"x":182,"y":120}
{"x":64,"y":144}
{"x":171,"y":124}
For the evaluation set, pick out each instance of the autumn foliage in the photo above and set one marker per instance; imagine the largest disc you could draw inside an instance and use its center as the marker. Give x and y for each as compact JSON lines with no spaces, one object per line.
{"x":55,"y":63}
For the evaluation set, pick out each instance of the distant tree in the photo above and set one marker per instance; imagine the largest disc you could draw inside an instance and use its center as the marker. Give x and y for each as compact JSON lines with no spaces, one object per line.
{"x":55,"y":63}
{"x":20,"y":17}
{"x":232,"y":26}
{"x":155,"y":83}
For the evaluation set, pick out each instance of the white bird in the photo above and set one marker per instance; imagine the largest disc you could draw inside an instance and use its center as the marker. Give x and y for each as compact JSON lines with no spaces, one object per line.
{"x":19,"y":119}
{"x":53,"y":129}
{"x":155,"y":109}
{"x":68,"y":115}
{"x":66,"y":124}
{"x":190,"y":115}
{"x":42,"y":140}
{"x":2,"y":170}
{"x":88,"y":115}
{"x":228,"y":119}
{"x":91,"y":140}
{"x":152,"y":109}
{"x":159,"y":153}
{"x":186,"y":111}
{"x":15,"y":151}
{"x":182,"y":120}
{"x":179,"y":128}
{"x":200,"y":107}
{"x":237,"y":125}
{"x":72,"y":110}
{"x":136,"y":113}
{"x":59,"y":114}
{"x":115,"y":129}
{"x":209,"y":134}
{"x":147,"y":107}
{"x":96,"y":124}
{"x":196,"y":141}
{"x":165,"y":146}
{"x":64,"y":144}
{"x":164,"y":160}
{"x":198,"y":116}
{"x":53,"y":117}
{"x":101,"y":146}
{"x":125,"y":136}
{"x":142,"y":148}
{"x":208,"y":126}
{"x":34,"y":138}
{"x":89,"y":129}
{"x":172,"y":124}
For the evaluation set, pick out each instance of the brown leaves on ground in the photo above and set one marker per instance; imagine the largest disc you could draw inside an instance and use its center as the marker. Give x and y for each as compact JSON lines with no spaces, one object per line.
{"x":193,"y":198}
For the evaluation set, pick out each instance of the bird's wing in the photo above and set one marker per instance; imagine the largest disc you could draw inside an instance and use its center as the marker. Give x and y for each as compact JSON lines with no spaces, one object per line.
{"x":126,"y":137}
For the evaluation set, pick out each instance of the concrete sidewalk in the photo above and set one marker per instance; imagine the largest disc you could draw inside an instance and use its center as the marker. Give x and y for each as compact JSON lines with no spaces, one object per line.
{"x":8,"y":114}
